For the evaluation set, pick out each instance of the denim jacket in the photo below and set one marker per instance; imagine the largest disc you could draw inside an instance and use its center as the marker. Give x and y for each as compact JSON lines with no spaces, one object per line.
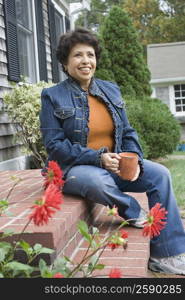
{"x":64,"y":123}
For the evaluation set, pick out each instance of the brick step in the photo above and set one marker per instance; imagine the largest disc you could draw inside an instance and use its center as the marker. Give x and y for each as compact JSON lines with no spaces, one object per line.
{"x":132,"y":261}
{"x":61,"y":232}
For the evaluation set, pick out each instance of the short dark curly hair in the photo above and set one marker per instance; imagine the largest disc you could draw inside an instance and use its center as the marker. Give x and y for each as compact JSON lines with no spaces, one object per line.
{"x":68,"y":40}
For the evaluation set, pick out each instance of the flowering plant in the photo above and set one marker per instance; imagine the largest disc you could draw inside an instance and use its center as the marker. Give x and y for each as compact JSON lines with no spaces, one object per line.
{"x":23,"y":106}
{"x":42,"y":211}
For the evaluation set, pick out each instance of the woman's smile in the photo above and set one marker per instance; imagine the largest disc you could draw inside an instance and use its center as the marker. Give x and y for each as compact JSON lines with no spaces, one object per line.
{"x":81,"y":64}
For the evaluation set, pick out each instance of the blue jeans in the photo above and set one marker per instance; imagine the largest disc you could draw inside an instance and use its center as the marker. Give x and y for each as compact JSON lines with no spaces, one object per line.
{"x":104,"y":187}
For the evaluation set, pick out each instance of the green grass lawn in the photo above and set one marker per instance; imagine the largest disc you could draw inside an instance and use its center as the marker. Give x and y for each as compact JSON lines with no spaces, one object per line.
{"x":177,"y":169}
{"x":179,"y":153}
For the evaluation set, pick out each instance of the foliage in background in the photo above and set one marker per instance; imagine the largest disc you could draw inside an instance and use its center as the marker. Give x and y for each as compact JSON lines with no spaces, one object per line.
{"x":177,"y":167}
{"x":99,"y":10}
{"x":104,"y":66}
{"x":145,"y":15}
{"x":157,"y":128}
{"x":125,"y":53}
{"x":23,"y":106}
{"x":156,"y":21}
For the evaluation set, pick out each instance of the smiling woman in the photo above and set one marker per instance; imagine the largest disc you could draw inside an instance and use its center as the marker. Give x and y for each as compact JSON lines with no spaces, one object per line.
{"x":85,"y":129}
{"x":81,"y":64}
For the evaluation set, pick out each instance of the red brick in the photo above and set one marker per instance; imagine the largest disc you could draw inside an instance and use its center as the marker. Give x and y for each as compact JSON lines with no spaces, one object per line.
{"x":126,"y":253}
{"x":126,"y":272}
{"x":61,"y":232}
{"x":124,"y":262}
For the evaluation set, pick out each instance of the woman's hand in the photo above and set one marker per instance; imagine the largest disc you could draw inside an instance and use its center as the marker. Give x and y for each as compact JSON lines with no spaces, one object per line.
{"x":110,"y":161}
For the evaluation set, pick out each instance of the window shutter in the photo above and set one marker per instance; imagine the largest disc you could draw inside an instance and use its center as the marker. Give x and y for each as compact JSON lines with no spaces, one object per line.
{"x":41,"y":41}
{"x":67,"y":22}
{"x":53,"y":41}
{"x":11,"y":40}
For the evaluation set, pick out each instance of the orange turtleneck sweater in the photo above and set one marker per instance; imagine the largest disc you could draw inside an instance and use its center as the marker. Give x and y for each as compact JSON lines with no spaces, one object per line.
{"x":101,"y":126}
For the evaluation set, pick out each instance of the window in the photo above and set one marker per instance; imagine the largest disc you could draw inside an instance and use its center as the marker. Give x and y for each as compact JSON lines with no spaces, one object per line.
{"x":59,"y":23}
{"x":25,"y":37}
{"x":56,"y":29}
{"x":25,"y":40}
{"x":179,"y":91}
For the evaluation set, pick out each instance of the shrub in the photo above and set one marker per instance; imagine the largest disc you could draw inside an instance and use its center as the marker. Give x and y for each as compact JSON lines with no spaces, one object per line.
{"x":103,"y":70}
{"x":158,"y":130}
{"x":23,"y":106}
{"x":125,"y":53}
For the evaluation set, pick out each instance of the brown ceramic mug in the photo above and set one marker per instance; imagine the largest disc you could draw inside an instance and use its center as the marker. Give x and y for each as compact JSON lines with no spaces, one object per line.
{"x":128,"y":165}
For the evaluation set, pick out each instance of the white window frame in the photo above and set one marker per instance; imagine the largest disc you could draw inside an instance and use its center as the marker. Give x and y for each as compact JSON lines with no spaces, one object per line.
{"x":33,"y":64}
{"x":172,"y":100}
{"x":35,"y":42}
{"x":62,"y":75}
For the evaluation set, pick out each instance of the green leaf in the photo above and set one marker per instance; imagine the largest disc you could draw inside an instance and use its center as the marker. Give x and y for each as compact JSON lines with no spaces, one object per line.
{"x":1,"y":275}
{"x":18,"y":268}
{"x":44,"y":270}
{"x":60,"y":262}
{"x":37,"y":247}
{"x":99,"y":266}
{"x":94,"y":244}
{"x":82,"y":225}
{"x":124,"y":223}
{"x":47,"y":274}
{"x":83,"y":229}
{"x":24,"y":245}
{"x":3,"y":204}
{"x":60,"y":265}
{"x":7,"y":232}
{"x":46,"y":250}
{"x":42,"y":264}
{"x":4,"y":250}
{"x":68,"y":259}
{"x":94,"y":259}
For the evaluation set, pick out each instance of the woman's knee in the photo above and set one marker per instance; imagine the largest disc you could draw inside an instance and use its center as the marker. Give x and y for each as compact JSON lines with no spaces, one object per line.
{"x":156,"y":171}
{"x":85,"y":178}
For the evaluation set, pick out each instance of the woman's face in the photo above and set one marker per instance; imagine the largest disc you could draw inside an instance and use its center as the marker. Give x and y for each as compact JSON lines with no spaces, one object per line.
{"x":81,"y":64}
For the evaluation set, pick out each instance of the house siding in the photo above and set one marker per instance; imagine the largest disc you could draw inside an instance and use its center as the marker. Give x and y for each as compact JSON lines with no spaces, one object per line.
{"x":166,"y":61}
{"x":10,"y":149}
{"x":47,"y":40}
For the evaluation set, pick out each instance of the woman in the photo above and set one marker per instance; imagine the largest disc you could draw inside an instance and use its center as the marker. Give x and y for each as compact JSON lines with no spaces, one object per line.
{"x":85,"y":127}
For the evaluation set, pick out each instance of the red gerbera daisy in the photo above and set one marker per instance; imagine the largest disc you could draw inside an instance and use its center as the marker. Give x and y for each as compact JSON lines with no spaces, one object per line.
{"x":155,"y":221}
{"x":115,"y":273}
{"x":52,"y":198}
{"x":53,"y":175}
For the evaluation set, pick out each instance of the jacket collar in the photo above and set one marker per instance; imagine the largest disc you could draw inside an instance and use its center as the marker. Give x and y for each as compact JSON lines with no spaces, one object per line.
{"x":93,"y":88}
